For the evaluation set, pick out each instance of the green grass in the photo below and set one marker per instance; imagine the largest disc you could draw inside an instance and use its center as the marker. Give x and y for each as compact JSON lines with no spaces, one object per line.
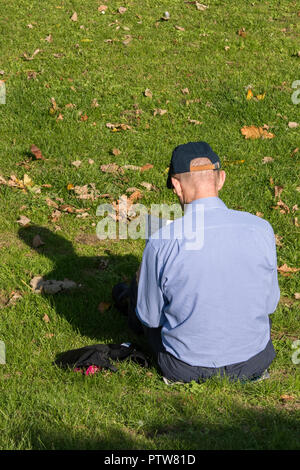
{"x":45,"y":408}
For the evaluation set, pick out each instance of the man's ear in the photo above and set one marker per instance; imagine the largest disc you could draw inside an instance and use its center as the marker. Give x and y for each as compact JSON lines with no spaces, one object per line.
{"x":221,"y":179}
{"x":176,"y":186}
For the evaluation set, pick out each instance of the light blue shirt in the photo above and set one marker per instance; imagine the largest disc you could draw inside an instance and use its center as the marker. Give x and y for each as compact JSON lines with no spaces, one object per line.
{"x":212,"y":302}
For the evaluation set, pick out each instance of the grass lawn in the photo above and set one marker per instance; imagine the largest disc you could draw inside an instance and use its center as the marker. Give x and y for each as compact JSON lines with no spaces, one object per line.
{"x":65,"y":80}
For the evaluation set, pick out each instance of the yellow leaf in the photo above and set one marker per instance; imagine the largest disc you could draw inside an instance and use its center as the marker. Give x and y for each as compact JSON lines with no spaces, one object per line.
{"x":261,"y":97}
{"x":249,"y":94}
{"x":70,"y":186}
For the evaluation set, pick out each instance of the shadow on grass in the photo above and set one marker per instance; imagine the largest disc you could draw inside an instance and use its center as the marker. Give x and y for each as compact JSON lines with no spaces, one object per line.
{"x":244,"y":427}
{"x":95,"y":275}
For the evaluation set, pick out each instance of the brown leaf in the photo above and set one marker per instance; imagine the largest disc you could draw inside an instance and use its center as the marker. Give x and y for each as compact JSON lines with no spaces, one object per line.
{"x":295,"y":151}
{"x":259,"y":214}
{"x":33,"y":55}
{"x":267,"y":159}
{"x":51,"y":203}
{"x":185,"y":91}
{"x":122,"y":10}
{"x":84,"y":117}
{"x":74,"y":17}
{"x":148,"y":186}
{"x":37,"y":241}
{"x":278,"y":240}
{"x":132,"y":167}
{"x":179,"y":28}
{"x":286,"y":397}
{"x":116,"y":152}
{"x":285,"y":269}
{"x":102,"y":8}
{"x":297,"y":295}
{"x":103,"y":306}
{"x":76,"y":163}
{"x":194,"y":121}
{"x":285,"y":208}
{"x":135,"y":196}
{"x":278,"y":190}
{"x":55,"y":216}
{"x":148,"y":93}
{"x":160,"y":112}
{"x":49,"y":38}
{"x":24,"y":221}
{"x":253,"y":132}
{"x":242,"y":32}
{"x":46,"y":318}
{"x":117,"y":127}
{"x":111,"y":168}
{"x":36,"y":152}
{"x":293,"y":125}
{"x":146,"y":167}
{"x":95,"y":103}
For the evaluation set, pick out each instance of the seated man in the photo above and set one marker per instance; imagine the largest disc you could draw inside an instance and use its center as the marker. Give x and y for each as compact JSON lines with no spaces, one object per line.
{"x":204,"y":306}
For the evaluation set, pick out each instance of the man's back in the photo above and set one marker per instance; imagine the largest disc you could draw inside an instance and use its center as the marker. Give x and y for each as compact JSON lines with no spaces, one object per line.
{"x":212,"y":303}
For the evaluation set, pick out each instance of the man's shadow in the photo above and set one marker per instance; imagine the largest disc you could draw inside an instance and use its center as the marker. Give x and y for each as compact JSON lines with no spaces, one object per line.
{"x":95,"y":277}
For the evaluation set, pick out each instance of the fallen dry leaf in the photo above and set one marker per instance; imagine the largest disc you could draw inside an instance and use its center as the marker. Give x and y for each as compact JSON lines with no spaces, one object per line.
{"x":117,"y":127}
{"x":49,"y":38}
{"x":242,"y":32}
{"x":135,"y":196}
{"x":46,"y":318}
{"x":111,"y":168}
{"x":37,"y":241}
{"x":200,"y":6}
{"x":33,"y":55}
{"x":146,"y":167}
{"x":277,"y":191}
{"x":160,"y":112}
{"x":24,"y":221}
{"x":122,"y":10}
{"x":36,"y":152}
{"x":103,"y":306}
{"x":74,"y":17}
{"x":40,"y":285}
{"x":259,"y":214}
{"x":55,"y":216}
{"x":102,"y":8}
{"x":278,"y":240}
{"x":249,"y":94}
{"x":77,"y":163}
{"x":286,"y":397}
{"x":116,"y":152}
{"x":294,"y":151}
{"x":94,"y":103}
{"x":285,"y":270}
{"x":185,"y":91}
{"x":253,"y":132}
{"x":297,"y":295}
{"x":293,"y":125}
{"x":195,"y":122}
{"x":283,"y":208}
{"x":267,"y":159}
{"x":131,"y":167}
{"x":148,"y":186}
{"x":148,"y":93}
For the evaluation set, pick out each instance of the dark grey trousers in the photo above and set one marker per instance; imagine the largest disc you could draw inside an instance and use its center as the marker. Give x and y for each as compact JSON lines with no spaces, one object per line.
{"x":176,"y":370}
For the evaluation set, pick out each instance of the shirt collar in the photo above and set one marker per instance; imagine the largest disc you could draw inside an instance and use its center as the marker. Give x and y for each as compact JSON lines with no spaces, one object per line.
{"x":207,"y":202}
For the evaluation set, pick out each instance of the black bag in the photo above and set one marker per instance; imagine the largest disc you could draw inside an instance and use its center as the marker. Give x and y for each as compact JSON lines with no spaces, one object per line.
{"x":100,"y":355}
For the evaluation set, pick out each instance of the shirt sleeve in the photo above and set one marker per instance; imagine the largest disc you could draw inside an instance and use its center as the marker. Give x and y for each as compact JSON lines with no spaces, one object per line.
{"x":150,"y":301}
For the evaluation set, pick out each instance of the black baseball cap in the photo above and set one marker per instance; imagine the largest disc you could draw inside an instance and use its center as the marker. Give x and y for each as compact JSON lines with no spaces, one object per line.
{"x":183,"y":155}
